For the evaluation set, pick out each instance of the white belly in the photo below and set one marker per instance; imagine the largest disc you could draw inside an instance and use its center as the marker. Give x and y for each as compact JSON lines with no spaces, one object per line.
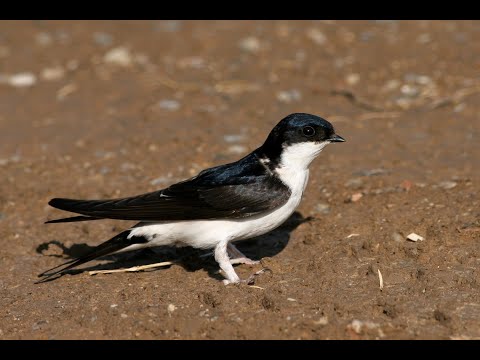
{"x":208,"y":233}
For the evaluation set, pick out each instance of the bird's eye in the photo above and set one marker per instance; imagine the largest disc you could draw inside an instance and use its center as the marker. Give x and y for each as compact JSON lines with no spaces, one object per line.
{"x":308,"y":131}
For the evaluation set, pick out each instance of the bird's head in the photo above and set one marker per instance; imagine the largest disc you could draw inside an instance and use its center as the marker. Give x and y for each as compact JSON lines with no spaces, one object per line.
{"x":297,"y":139}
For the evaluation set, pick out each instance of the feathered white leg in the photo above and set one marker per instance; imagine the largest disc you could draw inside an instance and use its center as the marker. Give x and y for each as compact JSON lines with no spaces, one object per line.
{"x":221,"y":256}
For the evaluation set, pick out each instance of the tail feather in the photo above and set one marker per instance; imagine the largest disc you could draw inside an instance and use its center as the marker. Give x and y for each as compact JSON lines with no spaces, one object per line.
{"x":116,"y":243}
{"x":72,"y":219}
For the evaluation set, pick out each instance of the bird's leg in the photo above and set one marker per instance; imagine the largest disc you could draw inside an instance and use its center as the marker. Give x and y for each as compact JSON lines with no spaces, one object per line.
{"x":221,"y":256}
{"x":237,"y":257}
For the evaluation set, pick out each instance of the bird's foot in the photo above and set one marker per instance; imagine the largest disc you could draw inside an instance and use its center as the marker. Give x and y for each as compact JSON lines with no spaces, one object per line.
{"x":249,"y":281}
{"x":237,"y":257}
{"x":251,"y":278}
{"x":227,"y":282}
{"x":244,"y":260}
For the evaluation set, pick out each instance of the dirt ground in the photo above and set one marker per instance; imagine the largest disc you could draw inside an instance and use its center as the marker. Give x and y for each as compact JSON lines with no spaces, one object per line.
{"x":111,"y":109}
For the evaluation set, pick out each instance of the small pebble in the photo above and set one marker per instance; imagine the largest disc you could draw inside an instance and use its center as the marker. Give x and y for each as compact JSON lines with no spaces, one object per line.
{"x":43,"y":39}
{"x":52,"y":73}
{"x":72,"y":65}
{"x":126,"y":166}
{"x":237,"y":149}
{"x":355,"y":197}
{"x":322,"y":321}
{"x":15,"y":158}
{"x":424,"y":38}
{"x":322,"y":208}
{"x":38,"y":324}
{"x":403,"y":103}
{"x":316,"y":36}
{"x":354,"y":183}
{"x":250,"y":44}
{"x":459,"y":108}
{"x":447,"y":185}
{"x":406,"y":184}
{"x":357,"y":325}
{"x":194,"y":62}
{"x":104,"y":170}
{"x":171,"y":308}
{"x":235,"y":87}
{"x":24,"y":79}
{"x":288,"y":96}
{"x":170,"y":105}
{"x":152,"y":147}
{"x":233,"y":138}
{"x":391,"y":85}
{"x":300,"y":55}
{"x":414,"y":237}
{"x":65,"y":91}
{"x":423,"y":80}
{"x":123,"y":316}
{"x":409,"y":90}
{"x":162,"y":180}
{"x":352,"y":79}
{"x":118,"y":56}
{"x":103,"y":39}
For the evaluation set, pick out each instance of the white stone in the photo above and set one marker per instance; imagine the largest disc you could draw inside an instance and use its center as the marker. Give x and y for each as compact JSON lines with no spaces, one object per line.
{"x":118,"y":56}
{"x":352,"y":79}
{"x":414,"y":237}
{"x":288,"y":96}
{"x":316,"y":36}
{"x":171,"y":105}
{"x":24,"y":79}
{"x":52,"y":73}
{"x":250,"y":44}
{"x":171,"y":308}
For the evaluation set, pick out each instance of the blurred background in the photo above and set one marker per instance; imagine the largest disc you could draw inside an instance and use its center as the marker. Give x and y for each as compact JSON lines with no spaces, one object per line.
{"x":98,"y":109}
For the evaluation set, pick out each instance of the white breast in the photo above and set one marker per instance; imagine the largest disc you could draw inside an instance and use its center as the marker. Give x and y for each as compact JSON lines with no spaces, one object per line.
{"x":292,"y":170}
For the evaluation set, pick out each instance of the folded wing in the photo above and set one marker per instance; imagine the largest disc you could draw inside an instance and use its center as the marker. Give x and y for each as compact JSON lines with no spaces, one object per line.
{"x":215,"y":193}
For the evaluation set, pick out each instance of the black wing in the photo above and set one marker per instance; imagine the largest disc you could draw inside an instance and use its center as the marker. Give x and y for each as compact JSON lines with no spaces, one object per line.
{"x":236,"y":190}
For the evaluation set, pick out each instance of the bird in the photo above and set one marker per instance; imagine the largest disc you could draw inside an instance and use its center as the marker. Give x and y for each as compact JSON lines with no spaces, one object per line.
{"x":218,"y":207}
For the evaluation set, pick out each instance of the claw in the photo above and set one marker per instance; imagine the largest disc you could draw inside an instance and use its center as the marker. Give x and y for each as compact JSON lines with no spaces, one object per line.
{"x":251,"y":279}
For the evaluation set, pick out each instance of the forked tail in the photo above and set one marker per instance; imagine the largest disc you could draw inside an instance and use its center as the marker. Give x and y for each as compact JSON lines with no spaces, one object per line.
{"x":116,"y":243}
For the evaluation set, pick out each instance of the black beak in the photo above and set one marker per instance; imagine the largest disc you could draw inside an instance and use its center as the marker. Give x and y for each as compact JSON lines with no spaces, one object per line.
{"x":336,"y":138}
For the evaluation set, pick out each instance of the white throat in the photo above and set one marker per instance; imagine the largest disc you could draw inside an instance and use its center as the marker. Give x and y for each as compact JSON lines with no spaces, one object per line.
{"x":294,"y":163}
{"x":299,"y":156}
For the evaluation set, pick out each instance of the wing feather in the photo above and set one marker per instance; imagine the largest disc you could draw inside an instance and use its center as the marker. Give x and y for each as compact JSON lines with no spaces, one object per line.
{"x":235,"y":190}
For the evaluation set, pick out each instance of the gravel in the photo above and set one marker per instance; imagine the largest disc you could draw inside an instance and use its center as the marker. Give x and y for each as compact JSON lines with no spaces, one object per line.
{"x":24,"y":79}
{"x":119,"y":56}
{"x":289,"y":96}
{"x":170,"y":105}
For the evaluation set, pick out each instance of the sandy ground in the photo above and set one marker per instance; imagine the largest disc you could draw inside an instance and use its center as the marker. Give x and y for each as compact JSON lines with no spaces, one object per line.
{"x":111,"y":109}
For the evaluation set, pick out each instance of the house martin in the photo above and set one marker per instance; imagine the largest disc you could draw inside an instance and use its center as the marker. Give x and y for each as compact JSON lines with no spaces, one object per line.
{"x":219,"y":206}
